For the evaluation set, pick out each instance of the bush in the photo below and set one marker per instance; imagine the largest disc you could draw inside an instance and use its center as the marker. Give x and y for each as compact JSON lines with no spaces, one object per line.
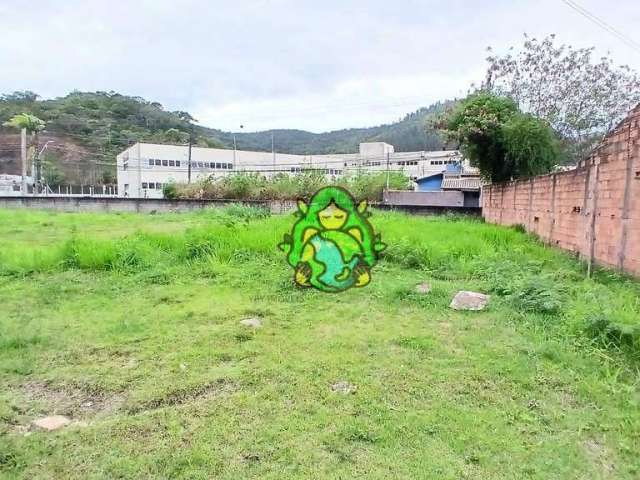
{"x":170,"y":191}
{"x":537,"y":294}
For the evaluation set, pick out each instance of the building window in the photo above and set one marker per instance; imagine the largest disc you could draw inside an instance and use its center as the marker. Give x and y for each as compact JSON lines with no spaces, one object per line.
{"x":159,"y":186}
{"x":230,"y":166}
{"x":217,"y":165}
{"x":151,"y":162}
{"x":158,"y":162}
{"x":172,"y":163}
{"x":165,"y":163}
{"x":177,"y":163}
{"x":152,"y":185}
{"x":144,"y":184}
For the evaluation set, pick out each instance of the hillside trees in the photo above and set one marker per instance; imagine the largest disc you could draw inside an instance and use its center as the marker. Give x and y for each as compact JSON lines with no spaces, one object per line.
{"x":107,"y":122}
{"x":103,"y":122}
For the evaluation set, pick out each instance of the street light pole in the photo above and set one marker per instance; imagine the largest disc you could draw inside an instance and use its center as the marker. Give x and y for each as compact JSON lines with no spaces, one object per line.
{"x":38,"y":167}
{"x":273,"y":152}
{"x":234,"y":150}
{"x":387,"y":170}
{"x":189,"y":155}
{"x":235,"y":147}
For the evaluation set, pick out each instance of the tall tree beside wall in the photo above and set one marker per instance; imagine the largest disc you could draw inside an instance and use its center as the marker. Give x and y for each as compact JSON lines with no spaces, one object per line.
{"x":582,"y":98}
{"x":499,"y":139}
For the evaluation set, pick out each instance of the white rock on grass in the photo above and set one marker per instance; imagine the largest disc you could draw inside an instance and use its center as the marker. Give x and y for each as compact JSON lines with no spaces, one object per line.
{"x":344,"y":388}
{"x":469,"y":301}
{"x":251,"y":322}
{"x":53,"y":422}
{"x":423,"y":288}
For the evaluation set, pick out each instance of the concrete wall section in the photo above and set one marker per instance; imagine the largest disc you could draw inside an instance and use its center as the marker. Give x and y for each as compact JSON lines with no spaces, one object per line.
{"x":593,"y":210}
{"x":148,"y":205}
{"x":426,"y":199}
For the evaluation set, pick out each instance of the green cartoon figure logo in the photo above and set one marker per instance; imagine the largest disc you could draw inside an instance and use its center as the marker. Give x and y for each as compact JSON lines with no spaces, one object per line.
{"x":332,"y":246}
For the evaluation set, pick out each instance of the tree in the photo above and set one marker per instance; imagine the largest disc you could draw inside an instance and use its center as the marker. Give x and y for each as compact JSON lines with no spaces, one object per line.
{"x":108,"y":177}
{"x":33,"y":125}
{"x":176,"y":136}
{"x":580,"y":97}
{"x":51,"y":174}
{"x":530,"y":145}
{"x":25,"y":96}
{"x":209,"y":142}
{"x":499,"y":139}
{"x":24,"y":120}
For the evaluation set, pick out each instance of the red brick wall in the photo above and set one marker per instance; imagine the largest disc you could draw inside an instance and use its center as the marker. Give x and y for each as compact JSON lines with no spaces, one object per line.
{"x":593,"y":210}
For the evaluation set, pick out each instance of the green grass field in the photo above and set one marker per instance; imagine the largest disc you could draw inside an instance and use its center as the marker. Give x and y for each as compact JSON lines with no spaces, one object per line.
{"x":129,"y":325}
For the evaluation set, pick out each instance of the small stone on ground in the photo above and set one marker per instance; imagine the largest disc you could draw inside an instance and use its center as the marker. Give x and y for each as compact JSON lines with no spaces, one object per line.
{"x":251,"y":322}
{"x":469,"y":301}
{"x":344,"y":387}
{"x":423,"y":288}
{"x":53,"y":422}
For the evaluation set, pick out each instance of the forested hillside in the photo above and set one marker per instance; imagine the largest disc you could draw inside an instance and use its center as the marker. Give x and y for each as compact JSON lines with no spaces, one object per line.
{"x":90,"y":128}
{"x":409,"y":134}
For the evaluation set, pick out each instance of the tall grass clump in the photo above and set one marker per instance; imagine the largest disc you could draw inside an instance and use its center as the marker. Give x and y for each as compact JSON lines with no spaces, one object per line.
{"x":227,"y":234}
{"x":253,"y":186}
{"x":610,"y":334}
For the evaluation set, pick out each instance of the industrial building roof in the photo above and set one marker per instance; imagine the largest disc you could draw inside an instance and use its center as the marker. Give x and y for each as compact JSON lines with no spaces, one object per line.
{"x":461,"y":183}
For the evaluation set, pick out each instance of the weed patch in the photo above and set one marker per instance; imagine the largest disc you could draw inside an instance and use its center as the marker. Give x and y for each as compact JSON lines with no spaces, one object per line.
{"x":612,"y":335}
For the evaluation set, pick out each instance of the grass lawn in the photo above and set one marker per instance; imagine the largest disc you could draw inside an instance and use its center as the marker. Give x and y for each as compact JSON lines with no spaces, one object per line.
{"x":130,"y":325}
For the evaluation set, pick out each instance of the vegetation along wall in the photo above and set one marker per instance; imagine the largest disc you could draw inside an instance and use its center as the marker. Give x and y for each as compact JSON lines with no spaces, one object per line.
{"x":593,"y":210}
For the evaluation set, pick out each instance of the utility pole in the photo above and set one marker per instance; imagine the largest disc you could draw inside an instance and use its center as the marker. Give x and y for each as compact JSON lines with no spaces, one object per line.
{"x":234,"y":150}
{"x":34,"y":162}
{"x":235,"y":147}
{"x":387,"y":170}
{"x":37,"y":167}
{"x":189,"y":155}
{"x":273,"y":152}
{"x":23,"y":156}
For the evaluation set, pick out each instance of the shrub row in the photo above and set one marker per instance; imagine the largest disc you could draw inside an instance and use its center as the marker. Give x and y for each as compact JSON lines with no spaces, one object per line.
{"x":253,"y":186}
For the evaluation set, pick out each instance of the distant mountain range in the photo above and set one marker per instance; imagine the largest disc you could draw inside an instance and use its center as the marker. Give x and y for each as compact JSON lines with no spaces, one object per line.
{"x":409,"y":134}
{"x":94,"y":126}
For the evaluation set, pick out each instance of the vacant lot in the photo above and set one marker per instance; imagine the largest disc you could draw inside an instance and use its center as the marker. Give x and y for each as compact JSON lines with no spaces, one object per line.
{"x":130,"y":326}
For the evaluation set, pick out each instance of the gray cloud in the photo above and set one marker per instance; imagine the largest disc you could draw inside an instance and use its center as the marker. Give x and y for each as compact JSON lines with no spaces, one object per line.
{"x":296,"y":64}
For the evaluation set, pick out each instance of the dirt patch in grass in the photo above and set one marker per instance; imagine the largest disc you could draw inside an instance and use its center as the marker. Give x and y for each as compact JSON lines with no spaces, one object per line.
{"x":600,"y":456}
{"x":185,"y":395}
{"x":40,"y":398}
{"x":44,"y":398}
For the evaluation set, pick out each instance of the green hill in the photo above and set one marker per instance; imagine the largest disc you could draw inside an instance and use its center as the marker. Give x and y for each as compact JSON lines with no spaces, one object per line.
{"x":96,"y":126}
{"x":408,"y":134}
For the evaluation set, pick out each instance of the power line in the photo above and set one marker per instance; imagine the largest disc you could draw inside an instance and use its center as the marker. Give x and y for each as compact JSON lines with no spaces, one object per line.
{"x":604,"y":25}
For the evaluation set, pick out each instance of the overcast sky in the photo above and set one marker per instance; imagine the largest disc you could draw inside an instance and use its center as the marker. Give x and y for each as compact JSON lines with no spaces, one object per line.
{"x":314,"y":65}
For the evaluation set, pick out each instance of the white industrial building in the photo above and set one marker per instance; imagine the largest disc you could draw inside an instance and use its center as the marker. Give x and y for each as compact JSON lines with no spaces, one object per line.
{"x":13,"y":185}
{"x":144,"y":168}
